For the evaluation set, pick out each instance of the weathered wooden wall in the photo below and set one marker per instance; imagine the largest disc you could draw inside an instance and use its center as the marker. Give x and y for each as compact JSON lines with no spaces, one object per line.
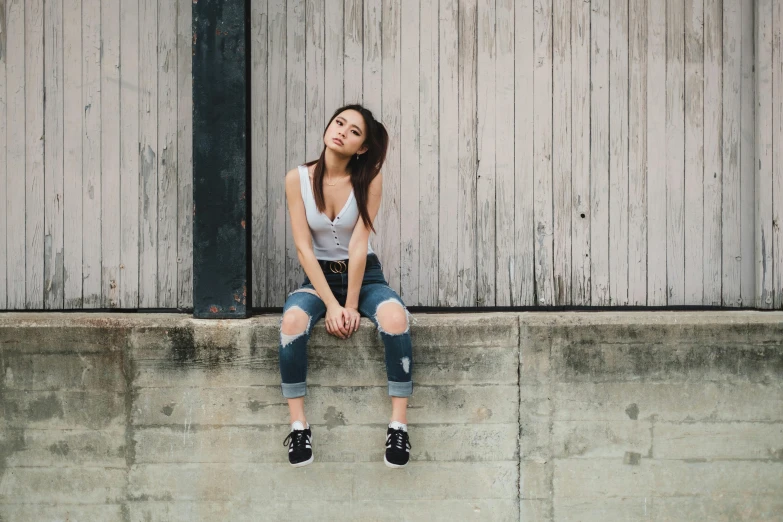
{"x":543,"y":151}
{"x":601,"y":153}
{"x":95,"y":154}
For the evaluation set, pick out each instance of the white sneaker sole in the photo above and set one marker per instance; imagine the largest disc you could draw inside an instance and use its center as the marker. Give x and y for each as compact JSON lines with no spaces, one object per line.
{"x":304,"y":463}
{"x":390,"y":465}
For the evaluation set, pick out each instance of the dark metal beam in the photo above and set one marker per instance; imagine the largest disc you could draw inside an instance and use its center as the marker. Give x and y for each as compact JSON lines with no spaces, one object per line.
{"x":221,"y":159}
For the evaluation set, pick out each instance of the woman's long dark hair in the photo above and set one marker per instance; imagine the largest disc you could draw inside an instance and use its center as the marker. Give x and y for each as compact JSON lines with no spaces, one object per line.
{"x":363,"y":170}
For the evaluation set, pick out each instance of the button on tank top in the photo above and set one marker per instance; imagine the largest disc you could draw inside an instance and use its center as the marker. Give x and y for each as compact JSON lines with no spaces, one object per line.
{"x":330,"y":238}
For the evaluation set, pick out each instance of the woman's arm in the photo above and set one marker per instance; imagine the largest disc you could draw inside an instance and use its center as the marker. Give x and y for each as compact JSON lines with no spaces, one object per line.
{"x":357,"y":248}
{"x":304,"y":240}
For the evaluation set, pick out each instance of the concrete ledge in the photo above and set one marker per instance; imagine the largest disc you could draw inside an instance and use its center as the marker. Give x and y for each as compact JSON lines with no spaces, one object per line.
{"x":529,"y":416}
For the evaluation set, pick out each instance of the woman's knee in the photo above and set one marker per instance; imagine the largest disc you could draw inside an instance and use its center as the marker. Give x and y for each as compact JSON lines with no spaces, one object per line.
{"x":392,"y":317}
{"x":295,"y":321}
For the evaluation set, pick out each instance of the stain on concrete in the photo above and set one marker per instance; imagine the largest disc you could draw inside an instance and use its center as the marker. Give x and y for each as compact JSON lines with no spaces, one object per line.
{"x":776,"y":454}
{"x":168,"y":409}
{"x":483,"y":414}
{"x":632,"y":458}
{"x":45,"y":408}
{"x":60,"y":448}
{"x":12,"y":442}
{"x":583,"y":359}
{"x":333,"y":418}
{"x":632,"y":411}
{"x":183,"y":345}
{"x":254,"y":406}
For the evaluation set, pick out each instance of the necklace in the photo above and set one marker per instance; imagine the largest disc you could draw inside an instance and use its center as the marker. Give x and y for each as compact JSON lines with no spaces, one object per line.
{"x":327,"y":181}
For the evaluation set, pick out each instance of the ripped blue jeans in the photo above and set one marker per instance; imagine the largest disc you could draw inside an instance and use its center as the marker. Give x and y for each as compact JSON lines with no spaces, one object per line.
{"x":375,"y":292}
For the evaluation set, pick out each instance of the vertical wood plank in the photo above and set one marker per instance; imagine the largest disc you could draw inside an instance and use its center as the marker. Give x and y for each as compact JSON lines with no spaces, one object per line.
{"x":148,"y":148}
{"x":580,"y":153}
{"x":370,"y":70}
{"x":637,"y":153}
{"x":486,"y":195}
{"x":167,"y":154}
{"x":777,"y":154}
{"x":618,"y":153}
{"x":73,"y":114}
{"x":15,"y":161}
{"x":129,"y":154}
{"x":675,"y":151}
{"x":295,"y":121}
{"x":524,"y":227}
{"x":693,"y":210}
{"x":3,"y":152}
{"x":185,"y":152}
{"x":389,"y":213}
{"x":561,"y":150}
{"x":259,"y":74}
{"x":53,"y":160}
{"x":334,"y":54}
{"x":731,"y":222}
{"x":713,"y":167}
{"x":354,"y":51}
{"x":277,"y":162}
{"x":763,"y":163}
{"x":504,"y":152}
{"x":448,"y":104}
{"x":429,"y":196}
{"x":466,"y":201}
{"x":599,"y":154}
{"x":747,"y":157}
{"x":91,"y":152}
{"x":314,"y":79}
{"x":34,"y":153}
{"x":656,"y":153}
{"x":409,"y":144}
{"x":110,"y":153}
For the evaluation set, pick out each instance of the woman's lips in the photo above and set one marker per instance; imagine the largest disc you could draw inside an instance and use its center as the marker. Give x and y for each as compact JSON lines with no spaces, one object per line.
{"x":337,"y":141}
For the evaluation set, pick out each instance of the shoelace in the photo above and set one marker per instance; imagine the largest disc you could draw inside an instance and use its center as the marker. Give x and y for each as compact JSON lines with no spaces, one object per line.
{"x":298,"y":437}
{"x":399,"y":439}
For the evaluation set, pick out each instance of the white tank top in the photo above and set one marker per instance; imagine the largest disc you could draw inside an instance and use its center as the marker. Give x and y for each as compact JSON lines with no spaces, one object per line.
{"x":330,"y":238}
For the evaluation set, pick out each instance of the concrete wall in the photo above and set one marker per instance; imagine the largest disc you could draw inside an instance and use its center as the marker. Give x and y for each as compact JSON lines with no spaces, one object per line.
{"x":573,"y":416}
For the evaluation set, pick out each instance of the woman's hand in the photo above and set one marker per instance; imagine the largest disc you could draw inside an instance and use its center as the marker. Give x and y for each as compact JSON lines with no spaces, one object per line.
{"x":351,"y":317}
{"x":335,"y":321}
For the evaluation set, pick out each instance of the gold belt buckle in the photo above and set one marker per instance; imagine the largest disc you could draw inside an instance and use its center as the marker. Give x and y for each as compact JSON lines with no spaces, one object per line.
{"x":338,"y":267}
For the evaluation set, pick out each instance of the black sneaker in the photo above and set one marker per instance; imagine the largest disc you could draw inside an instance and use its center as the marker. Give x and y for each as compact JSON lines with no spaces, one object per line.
{"x":299,"y":442}
{"x":398,"y":447}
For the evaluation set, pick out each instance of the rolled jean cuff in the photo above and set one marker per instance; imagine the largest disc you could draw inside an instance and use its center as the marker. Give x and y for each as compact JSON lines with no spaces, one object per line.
{"x":400,"y":389}
{"x":294,"y":390}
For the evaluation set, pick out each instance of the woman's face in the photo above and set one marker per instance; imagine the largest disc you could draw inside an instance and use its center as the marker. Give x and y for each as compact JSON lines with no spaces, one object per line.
{"x":346,"y":134}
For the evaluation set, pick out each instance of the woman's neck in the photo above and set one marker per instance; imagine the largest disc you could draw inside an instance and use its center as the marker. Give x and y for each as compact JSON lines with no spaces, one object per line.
{"x":336,"y":165}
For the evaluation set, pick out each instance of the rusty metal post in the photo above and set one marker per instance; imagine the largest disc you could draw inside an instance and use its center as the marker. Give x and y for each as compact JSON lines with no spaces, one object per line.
{"x":221,"y":159}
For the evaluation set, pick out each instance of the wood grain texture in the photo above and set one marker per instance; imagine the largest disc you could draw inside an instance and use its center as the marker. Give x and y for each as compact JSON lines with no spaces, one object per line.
{"x":429,"y":125}
{"x":580,"y":153}
{"x":599,"y":154}
{"x":295,"y":122}
{"x":656,"y":154}
{"x":763,"y":157}
{"x":638,"y":112}
{"x":111,"y":201}
{"x":388,"y":238}
{"x":747,"y":157}
{"x":449,"y":164}
{"x":410,"y":150}
{"x":277,"y":165}
{"x":185,"y":153}
{"x":314,"y":79}
{"x":353,"y":23}
{"x":3,"y":153}
{"x":561,"y":150}
{"x":693,"y":210}
{"x":486,"y":147}
{"x":777,"y":155}
{"x":713,"y":159}
{"x":731,"y":206}
{"x":504,"y":153}
{"x":53,"y":158}
{"x":523,"y":269}
{"x":259,"y":139}
{"x":91,"y":153}
{"x":73,"y":114}
{"x":618,"y":153}
{"x":334,"y":59}
{"x":148,"y":150}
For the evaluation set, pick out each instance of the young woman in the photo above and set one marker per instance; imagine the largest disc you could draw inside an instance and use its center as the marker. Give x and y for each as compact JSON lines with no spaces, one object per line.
{"x":333,"y":202}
